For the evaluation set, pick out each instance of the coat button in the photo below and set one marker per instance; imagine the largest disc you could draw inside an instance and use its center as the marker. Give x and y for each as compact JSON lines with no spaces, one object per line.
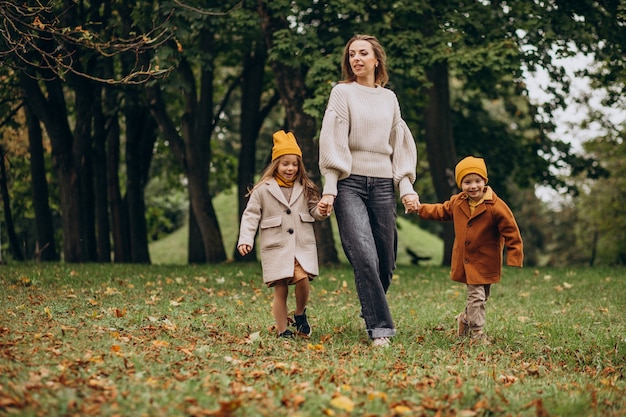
{"x":466,"y":261}
{"x":290,"y":231}
{"x":288,"y":211}
{"x":467,"y":242}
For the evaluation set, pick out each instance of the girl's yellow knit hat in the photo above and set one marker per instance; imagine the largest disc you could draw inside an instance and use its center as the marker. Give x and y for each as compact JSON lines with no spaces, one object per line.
{"x":285,"y":144}
{"x":470,"y":165}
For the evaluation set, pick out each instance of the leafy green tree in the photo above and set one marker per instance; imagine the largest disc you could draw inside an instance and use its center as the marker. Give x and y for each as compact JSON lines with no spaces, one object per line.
{"x":601,"y":226}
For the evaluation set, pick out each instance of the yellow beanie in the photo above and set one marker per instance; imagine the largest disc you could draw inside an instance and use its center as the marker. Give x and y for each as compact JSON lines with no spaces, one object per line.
{"x":470,"y":165}
{"x":285,"y":144}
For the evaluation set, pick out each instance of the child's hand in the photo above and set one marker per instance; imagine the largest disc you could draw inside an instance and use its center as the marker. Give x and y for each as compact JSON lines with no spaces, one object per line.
{"x":244,"y":249}
{"x":321,"y":207}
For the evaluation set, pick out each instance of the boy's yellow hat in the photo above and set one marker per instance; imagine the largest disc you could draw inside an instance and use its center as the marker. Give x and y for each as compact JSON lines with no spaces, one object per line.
{"x":470,"y":165}
{"x":285,"y":144}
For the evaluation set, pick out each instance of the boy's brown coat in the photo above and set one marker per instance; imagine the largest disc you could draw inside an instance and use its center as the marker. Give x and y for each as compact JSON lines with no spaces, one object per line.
{"x":480,"y":238}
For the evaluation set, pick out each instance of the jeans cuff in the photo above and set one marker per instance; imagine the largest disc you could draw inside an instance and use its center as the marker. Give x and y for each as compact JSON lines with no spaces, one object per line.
{"x":376,"y":333}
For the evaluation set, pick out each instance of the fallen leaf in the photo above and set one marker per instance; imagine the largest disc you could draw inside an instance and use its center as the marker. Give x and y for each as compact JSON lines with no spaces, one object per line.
{"x":343,"y":403}
{"x":253,"y":337}
{"x":401,"y":409}
{"x":377,"y":394}
{"x":317,"y":348}
{"x":160,"y":343}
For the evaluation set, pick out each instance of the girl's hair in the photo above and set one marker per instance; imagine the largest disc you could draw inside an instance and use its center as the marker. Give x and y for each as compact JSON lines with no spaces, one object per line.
{"x":381,"y":76}
{"x":311,"y":192}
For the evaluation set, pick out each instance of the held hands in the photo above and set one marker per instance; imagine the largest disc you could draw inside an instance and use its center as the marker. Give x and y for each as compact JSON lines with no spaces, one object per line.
{"x":411,"y":203}
{"x":325,"y":205}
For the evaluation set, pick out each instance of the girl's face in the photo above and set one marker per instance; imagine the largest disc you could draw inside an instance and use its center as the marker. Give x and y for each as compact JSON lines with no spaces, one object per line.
{"x":362,"y":60}
{"x":288,"y":167}
{"x":474,"y":186}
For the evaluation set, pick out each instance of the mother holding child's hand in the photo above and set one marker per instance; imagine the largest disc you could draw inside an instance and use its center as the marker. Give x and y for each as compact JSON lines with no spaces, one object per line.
{"x":367,"y":152}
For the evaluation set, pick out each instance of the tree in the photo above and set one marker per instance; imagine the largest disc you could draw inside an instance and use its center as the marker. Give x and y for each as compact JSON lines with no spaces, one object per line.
{"x":290,"y":79}
{"x":253,"y":113}
{"x":46,"y":245}
{"x":197,"y":64}
{"x":53,"y":47}
{"x":601,"y":226}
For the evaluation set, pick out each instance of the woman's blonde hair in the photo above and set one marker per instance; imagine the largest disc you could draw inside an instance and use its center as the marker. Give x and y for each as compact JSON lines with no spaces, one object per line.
{"x":381,"y":76}
{"x":311,"y":192}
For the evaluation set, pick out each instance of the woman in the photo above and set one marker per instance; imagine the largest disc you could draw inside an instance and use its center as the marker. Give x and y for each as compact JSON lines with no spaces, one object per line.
{"x":367,"y":152}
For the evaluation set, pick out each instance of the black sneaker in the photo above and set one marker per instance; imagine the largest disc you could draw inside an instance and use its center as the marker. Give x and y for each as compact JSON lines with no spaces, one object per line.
{"x":287,"y":334}
{"x":302,"y":325}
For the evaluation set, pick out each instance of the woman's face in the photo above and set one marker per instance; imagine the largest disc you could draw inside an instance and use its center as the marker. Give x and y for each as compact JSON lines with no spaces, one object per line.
{"x":362,"y":59}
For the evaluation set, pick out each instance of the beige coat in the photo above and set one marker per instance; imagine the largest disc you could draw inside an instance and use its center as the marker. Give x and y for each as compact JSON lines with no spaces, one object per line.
{"x":480,"y":238}
{"x":285,"y":230}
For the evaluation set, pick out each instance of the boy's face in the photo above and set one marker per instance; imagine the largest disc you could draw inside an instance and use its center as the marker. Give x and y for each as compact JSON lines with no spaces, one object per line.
{"x":474,"y":186}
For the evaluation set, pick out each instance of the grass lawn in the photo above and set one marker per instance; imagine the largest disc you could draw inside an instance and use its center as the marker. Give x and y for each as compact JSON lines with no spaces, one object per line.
{"x":176,"y":340}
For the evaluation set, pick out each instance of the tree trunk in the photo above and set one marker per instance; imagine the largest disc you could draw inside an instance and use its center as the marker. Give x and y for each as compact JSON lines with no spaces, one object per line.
{"x":45,"y":246}
{"x":117,"y":205}
{"x":52,"y":111}
{"x":440,"y":145}
{"x":100,"y":186}
{"x":140,"y":138}
{"x":293,"y":91}
{"x":250,"y":124}
{"x":193,"y":151}
{"x":6,"y":205}
{"x":82,"y":151}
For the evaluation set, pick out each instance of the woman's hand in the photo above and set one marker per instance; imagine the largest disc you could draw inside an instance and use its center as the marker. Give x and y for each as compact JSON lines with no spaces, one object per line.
{"x":411,"y":203}
{"x":325,"y":205}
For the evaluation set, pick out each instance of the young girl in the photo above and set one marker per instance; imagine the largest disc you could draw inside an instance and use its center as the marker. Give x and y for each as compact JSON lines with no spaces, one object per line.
{"x":283,"y":207}
{"x":483,"y":226}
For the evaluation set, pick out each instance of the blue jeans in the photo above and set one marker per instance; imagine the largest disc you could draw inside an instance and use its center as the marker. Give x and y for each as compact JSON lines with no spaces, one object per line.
{"x":365,"y":208}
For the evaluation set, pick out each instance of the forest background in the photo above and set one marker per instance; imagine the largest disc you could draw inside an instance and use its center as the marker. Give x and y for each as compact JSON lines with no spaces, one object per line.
{"x":123,"y":121}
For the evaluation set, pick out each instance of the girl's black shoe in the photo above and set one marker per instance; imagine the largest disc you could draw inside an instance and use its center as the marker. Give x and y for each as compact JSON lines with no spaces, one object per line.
{"x":287,"y":334}
{"x":302,"y":325}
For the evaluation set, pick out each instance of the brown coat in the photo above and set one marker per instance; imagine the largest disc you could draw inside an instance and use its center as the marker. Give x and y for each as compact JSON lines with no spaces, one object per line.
{"x":480,"y":238}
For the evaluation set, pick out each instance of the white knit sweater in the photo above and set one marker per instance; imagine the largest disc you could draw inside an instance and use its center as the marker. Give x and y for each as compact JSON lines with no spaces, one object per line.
{"x":363,"y":133}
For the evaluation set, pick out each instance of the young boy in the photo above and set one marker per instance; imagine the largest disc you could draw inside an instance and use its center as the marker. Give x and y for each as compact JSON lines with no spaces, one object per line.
{"x":483,"y":226}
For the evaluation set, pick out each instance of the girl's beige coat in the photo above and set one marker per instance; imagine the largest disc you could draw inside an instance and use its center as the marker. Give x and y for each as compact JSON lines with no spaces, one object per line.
{"x":480,"y":238}
{"x":285,"y":230}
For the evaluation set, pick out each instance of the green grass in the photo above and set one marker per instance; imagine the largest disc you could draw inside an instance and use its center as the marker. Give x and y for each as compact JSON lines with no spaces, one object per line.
{"x":171,"y":340}
{"x":173,"y":248}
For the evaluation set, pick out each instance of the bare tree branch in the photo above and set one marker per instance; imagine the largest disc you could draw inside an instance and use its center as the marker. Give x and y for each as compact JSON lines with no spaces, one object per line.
{"x":32,"y":37}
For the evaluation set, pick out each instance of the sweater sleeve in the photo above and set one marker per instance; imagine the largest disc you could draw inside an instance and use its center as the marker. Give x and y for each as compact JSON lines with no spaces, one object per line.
{"x":404,"y":160}
{"x":335,"y":160}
